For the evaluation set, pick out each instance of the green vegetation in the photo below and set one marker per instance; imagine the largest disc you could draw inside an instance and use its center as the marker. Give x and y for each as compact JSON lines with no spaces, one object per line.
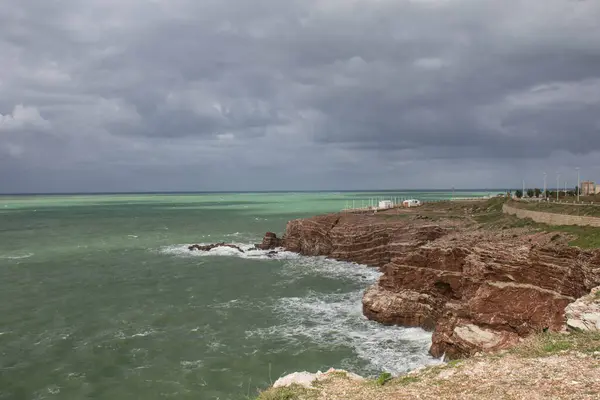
{"x":406,"y":380}
{"x":293,"y":392}
{"x":550,"y":343}
{"x":585,"y":237}
{"x":519,"y":193}
{"x":568,"y":209}
{"x":383,"y":378}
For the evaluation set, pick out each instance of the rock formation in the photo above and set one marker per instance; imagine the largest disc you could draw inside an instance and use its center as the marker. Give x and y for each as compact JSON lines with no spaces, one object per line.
{"x":584,"y":314}
{"x":209,"y":247}
{"x":478,"y":290}
{"x":269,"y":242}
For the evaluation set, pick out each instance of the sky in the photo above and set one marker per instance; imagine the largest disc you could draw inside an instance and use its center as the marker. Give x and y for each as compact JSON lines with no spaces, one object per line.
{"x":211,"y":95}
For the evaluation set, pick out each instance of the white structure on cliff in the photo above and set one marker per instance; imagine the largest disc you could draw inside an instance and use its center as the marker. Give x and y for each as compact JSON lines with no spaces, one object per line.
{"x":384,"y":204}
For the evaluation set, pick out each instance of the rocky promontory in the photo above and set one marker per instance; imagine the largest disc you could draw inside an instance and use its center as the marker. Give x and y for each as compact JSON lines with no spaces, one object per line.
{"x":478,"y":289}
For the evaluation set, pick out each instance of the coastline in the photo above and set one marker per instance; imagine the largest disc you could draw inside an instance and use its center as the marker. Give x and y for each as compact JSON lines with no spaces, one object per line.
{"x":452,"y":269}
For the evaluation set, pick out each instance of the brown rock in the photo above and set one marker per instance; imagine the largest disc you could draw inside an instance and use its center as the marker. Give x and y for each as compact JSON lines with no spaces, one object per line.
{"x":270,"y":241}
{"x":406,"y":308}
{"x":479,"y":290}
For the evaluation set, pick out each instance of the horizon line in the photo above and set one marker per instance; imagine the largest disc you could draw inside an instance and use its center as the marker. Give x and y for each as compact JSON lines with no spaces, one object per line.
{"x":255,"y":191}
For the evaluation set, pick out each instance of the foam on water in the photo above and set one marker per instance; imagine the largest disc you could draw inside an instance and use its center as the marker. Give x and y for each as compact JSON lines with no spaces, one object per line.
{"x":332,"y":320}
{"x":249,"y":252}
{"x":329,"y":320}
{"x":336,"y":320}
{"x":20,"y":257}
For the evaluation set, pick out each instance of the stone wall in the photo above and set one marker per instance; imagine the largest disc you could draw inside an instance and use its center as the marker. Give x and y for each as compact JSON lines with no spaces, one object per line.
{"x":551,"y":218}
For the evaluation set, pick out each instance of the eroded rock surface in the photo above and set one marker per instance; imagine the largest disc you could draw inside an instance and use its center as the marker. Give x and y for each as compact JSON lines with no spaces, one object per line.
{"x":584,"y":314}
{"x":269,"y":242}
{"x":477,"y":289}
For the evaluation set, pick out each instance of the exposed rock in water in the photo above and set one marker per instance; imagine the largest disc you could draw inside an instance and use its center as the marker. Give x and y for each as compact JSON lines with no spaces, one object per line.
{"x":270,"y":241}
{"x":478,"y":290}
{"x":209,"y":247}
{"x":584,"y":314}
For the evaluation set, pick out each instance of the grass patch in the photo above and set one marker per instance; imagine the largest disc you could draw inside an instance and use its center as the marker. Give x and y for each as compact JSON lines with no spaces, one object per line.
{"x":293,"y":392}
{"x":567,"y":209}
{"x":547,"y":344}
{"x":383,"y":378}
{"x":454,"y":363}
{"x":406,"y":380}
{"x":586,"y":237}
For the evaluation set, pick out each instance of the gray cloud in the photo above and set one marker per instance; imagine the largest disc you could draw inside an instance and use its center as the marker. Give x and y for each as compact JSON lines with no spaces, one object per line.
{"x":236,"y":95}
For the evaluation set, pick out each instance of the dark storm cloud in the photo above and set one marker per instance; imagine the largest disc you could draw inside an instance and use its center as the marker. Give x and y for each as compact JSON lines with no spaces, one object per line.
{"x":136,"y":94}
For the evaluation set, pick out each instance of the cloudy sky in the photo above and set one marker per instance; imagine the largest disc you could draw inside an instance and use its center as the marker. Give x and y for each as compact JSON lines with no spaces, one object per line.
{"x":143,"y":95}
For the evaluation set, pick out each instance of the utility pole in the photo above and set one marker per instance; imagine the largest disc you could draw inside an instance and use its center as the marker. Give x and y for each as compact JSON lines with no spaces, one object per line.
{"x":557,"y":185}
{"x":578,"y":184}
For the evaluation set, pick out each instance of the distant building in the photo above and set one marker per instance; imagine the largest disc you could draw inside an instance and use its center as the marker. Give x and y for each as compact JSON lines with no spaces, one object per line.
{"x":588,"y":188}
{"x":411,"y":203}
{"x":386,"y":204}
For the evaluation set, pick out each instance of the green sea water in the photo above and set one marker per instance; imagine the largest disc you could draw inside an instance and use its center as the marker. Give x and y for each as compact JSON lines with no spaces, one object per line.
{"x":100,"y":299}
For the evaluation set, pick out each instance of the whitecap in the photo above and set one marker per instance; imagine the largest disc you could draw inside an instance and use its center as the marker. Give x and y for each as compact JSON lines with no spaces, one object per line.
{"x":121,"y":335}
{"x":192,"y":364}
{"x":250,"y":252}
{"x":330,"y":320}
{"x":21,"y":257}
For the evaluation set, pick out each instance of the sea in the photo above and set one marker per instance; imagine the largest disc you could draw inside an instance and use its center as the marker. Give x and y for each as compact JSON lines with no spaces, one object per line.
{"x":100,"y":298}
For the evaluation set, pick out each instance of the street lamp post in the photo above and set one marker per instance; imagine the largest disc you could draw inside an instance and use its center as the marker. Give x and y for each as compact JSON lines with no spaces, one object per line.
{"x":557,"y":185}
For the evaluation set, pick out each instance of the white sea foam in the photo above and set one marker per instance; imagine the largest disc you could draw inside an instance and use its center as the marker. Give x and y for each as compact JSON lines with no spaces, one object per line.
{"x":21,"y":257}
{"x":192,"y":364}
{"x":121,"y":335}
{"x":249,"y":252}
{"x":330,"y":320}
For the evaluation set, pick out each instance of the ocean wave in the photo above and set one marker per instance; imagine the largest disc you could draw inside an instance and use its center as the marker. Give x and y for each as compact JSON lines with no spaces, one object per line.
{"x":249,"y":252}
{"x":21,"y":257}
{"x":121,"y":335}
{"x":300,"y":267}
{"x":336,"y":321}
{"x":331,"y":320}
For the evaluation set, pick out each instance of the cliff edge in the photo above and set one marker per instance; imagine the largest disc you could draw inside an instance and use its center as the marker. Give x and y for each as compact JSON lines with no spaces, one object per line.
{"x":478,"y":289}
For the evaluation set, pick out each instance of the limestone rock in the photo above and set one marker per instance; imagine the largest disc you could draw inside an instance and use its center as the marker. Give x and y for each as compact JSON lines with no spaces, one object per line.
{"x":306,"y":379}
{"x":584,"y":314}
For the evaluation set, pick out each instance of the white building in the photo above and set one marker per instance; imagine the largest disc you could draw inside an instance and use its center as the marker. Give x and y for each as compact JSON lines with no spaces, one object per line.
{"x":386,"y":204}
{"x":411,"y":203}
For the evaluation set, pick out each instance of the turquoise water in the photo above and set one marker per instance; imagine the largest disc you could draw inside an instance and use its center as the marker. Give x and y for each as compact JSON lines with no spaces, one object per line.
{"x":100,"y":299}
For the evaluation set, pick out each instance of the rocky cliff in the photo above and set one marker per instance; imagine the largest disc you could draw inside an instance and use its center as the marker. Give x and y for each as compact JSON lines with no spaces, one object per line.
{"x":477,"y":290}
